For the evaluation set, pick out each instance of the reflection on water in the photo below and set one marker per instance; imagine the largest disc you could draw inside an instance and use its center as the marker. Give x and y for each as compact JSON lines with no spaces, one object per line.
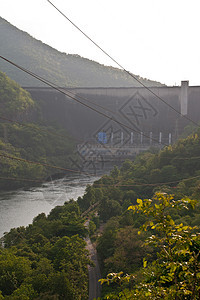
{"x":18,"y":208}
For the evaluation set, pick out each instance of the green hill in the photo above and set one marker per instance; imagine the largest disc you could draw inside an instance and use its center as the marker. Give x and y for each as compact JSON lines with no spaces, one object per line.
{"x":25,"y":140}
{"x":63,"y":69}
{"x":14,"y":101}
{"x":160,"y":230}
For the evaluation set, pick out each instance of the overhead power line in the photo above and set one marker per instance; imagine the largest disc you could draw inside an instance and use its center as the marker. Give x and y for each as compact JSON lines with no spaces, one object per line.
{"x":144,"y":184}
{"x":96,"y":184}
{"x":22,"y":179}
{"x":120,"y":66}
{"x":31,"y":126}
{"x":43,"y":164}
{"x":52,"y":85}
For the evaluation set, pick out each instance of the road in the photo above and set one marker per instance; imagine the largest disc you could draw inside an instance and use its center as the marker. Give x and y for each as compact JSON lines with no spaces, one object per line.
{"x":94,"y":272}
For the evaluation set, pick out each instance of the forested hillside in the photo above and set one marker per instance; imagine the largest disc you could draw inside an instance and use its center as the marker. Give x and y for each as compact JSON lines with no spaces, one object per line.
{"x":47,"y":259}
{"x":24,"y":140}
{"x":150,"y":209}
{"x":144,"y":219}
{"x":60,"y":68}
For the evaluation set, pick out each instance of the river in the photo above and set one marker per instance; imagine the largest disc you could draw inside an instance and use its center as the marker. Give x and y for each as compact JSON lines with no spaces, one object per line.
{"x":19,"y":207}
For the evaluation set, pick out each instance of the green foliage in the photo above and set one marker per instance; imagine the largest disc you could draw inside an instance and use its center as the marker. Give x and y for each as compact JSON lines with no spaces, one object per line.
{"x":32,"y":143}
{"x":175,"y":273}
{"x":105,"y":245}
{"x":96,"y":221}
{"x":27,"y":141}
{"x":59,"y":68}
{"x":175,"y":169}
{"x":117,"y":281}
{"x":89,"y":198}
{"x":115,"y":172}
{"x":128,"y":252}
{"x":24,"y":292}
{"x":47,"y":259}
{"x":14,"y":101}
{"x":92,"y":228}
{"x":13,"y":271}
{"x":109,"y":209}
{"x":170,"y":167}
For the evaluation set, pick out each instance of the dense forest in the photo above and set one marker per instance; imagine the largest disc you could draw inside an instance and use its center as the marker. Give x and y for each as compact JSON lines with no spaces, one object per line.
{"x":144,"y":219}
{"x":22,"y":139}
{"x":150,"y":209}
{"x":66,"y":70}
{"x":47,"y":259}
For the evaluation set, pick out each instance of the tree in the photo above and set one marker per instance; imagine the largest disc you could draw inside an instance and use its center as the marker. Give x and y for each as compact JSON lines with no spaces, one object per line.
{"x":105,"y":245}
{"x":175,"y":274}
{"x":115,"y":172}
{"x":92,"y":227}
{"x":108,"y":209}
{"x":128,"y":253}
{"x":24,"y":292}
{"x":71,"y":259}
{"x":13,"y":271}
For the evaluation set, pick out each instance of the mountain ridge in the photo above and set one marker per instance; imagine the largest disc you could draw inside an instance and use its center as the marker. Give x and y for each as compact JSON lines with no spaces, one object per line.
{"x":67,"y":70}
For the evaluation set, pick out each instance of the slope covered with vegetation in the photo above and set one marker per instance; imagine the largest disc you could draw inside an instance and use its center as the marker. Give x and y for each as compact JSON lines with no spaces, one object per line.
{"x":25,"y":140}
{"x":62,"y":69}
{"x":162,"y":193}
{"x":47,"y":259}
{"x":149,"y":245}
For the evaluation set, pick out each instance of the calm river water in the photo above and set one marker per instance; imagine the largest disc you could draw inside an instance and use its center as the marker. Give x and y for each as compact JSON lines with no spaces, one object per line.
{"x":18,"y":208}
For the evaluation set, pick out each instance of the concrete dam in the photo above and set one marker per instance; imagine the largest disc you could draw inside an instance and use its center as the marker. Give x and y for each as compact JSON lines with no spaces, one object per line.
{"x":130,"y":120}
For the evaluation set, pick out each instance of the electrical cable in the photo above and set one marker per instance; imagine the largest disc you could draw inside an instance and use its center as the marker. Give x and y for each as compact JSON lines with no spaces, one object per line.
{"x":181,"y":158}
{"x":37,"y":129}
{"x":119,"y":65}
{"x":187,"y":158}
{"x":22,"y":179}
{"x":44,"y":164}
{"x":92,"y":102}
{"x":145,"y":184}
{"x":109,"y":185}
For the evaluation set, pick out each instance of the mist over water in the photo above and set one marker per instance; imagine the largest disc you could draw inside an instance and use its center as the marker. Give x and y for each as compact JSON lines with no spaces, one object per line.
{"x":19,"y":207}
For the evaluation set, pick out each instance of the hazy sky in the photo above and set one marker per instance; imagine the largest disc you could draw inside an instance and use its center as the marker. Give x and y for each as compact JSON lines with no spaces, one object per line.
{"x":156,"y":39}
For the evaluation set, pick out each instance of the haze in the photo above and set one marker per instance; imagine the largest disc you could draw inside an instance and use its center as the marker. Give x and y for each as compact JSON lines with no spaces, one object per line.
{"x":151,"y":38}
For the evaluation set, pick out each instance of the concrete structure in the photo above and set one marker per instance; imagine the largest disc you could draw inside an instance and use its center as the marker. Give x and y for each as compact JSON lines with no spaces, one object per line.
{"x":136,"y":117}
{"x":143,"y":117}
{"x":184,"y":97}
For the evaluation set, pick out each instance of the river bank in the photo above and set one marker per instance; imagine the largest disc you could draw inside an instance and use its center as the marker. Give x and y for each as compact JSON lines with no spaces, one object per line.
{"x":19,"y":207}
